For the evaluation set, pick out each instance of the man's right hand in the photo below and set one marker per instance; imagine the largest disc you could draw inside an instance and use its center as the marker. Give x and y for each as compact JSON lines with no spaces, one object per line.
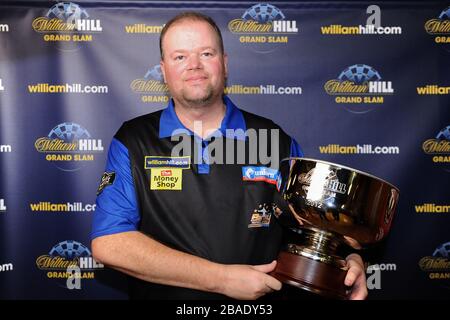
{"x":248,"y":282}
{"x":142,"y":257}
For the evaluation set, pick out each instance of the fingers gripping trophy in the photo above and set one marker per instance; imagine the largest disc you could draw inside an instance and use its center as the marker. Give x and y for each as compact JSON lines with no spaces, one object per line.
{"x":332,"y":207}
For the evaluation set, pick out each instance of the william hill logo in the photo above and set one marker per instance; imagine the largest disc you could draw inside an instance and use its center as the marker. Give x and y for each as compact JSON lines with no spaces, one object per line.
{"x":372,"y":27}
{"x":359,"y":84}
{"x":67,"y":21}
{"x":437,"y":266}
{"x":439,"y":147}
{"x":143,"y":28}
{"x":67,"y":145}
{"x":151,"y":87}
{"x":263,"y":23}
{"x":440,"y":27}
{"x":65,"y":255}
{"x":332,"y":185}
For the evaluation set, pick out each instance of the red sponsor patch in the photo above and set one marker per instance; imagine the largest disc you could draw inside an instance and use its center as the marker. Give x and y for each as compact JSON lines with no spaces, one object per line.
{"x":166,"y":173}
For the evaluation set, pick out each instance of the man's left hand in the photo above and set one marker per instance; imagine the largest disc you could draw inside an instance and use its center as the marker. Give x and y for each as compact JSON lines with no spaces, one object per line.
{"x":356,"y":277}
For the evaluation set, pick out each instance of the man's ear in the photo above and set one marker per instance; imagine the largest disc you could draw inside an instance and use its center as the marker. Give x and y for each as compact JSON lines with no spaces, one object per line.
{"x":161,"y":63}
{"x":225,"y":62}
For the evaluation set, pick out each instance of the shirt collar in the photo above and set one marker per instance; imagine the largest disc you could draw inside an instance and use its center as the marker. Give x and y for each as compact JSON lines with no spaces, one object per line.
{"x":170,"y":125}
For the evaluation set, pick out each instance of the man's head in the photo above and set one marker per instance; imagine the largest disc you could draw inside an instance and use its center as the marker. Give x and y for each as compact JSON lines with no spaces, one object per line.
{"x":193,"y":16}
{"x":193,"y":61}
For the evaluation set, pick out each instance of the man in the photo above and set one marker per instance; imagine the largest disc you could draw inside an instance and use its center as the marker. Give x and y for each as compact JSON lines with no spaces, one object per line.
{"x":182,"y":227}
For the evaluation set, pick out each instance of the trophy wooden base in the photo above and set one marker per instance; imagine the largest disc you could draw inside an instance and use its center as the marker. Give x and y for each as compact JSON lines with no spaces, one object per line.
{"x":315,"y":276}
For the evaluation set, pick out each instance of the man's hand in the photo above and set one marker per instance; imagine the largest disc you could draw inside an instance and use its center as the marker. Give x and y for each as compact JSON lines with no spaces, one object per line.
{"x":356,"y":277}
{"x":248,"y":282}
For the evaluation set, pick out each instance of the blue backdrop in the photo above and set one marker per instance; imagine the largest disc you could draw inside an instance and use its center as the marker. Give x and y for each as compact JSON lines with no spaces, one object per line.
{"x":364,"y":86}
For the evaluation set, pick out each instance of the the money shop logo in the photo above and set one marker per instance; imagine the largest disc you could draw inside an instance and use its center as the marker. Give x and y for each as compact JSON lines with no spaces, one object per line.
{"x":439,"y":148}
{"x":360,"y":85}
{"x":263,"y":24}
{"x":151,"y":87}
{"x":68,"y":255}
{"x":67,"y":22}
{"x":437,"y":266}
{"x":440,"y":27}
{"x":68,"y":145}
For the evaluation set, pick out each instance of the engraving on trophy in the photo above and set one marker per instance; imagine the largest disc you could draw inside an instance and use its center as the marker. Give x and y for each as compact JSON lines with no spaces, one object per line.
{"x":323,"y":187}
{"x":332,"y":184}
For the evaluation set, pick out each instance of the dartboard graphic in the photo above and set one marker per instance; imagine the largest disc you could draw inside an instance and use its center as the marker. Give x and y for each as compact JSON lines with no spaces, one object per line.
{"x":69,"y":132}
{"x":263,"y":13}
{"x":359,"y":73}
{"x":70,"y":249}
{"x":444,"y":134}
{"x":67,"y":12}
{"x":445,"y":15}
{"x":154,"y":74}
{"x":442,"y":251}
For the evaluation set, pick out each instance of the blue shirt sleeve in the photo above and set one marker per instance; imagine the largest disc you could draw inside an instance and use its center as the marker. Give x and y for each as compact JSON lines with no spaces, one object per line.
{"x":296,"y":150}
{"x":116,"y":206}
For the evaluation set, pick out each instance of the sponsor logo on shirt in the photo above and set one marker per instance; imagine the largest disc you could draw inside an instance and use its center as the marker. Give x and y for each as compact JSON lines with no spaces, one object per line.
{"x":166,"y":179}
{"x":251,"y":173}
{"x":166,"y":173}
{"x":107,"y":179}
{"x":167,"y":162}
{"x":261,"y":216}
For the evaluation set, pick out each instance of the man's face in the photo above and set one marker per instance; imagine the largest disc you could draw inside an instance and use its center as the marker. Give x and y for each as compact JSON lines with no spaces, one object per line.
{"x":193,"y":66}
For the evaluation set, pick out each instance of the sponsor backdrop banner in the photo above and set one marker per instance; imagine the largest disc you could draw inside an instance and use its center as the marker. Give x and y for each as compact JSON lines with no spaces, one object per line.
{"x":362,"y":84}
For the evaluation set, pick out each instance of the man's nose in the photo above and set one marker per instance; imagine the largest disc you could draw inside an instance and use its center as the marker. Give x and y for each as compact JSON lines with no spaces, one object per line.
{"x":194,"y":61}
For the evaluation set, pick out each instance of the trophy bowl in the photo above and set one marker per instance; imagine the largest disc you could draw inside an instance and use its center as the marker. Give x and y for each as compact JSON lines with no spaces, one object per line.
{"x":332,"y":207}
